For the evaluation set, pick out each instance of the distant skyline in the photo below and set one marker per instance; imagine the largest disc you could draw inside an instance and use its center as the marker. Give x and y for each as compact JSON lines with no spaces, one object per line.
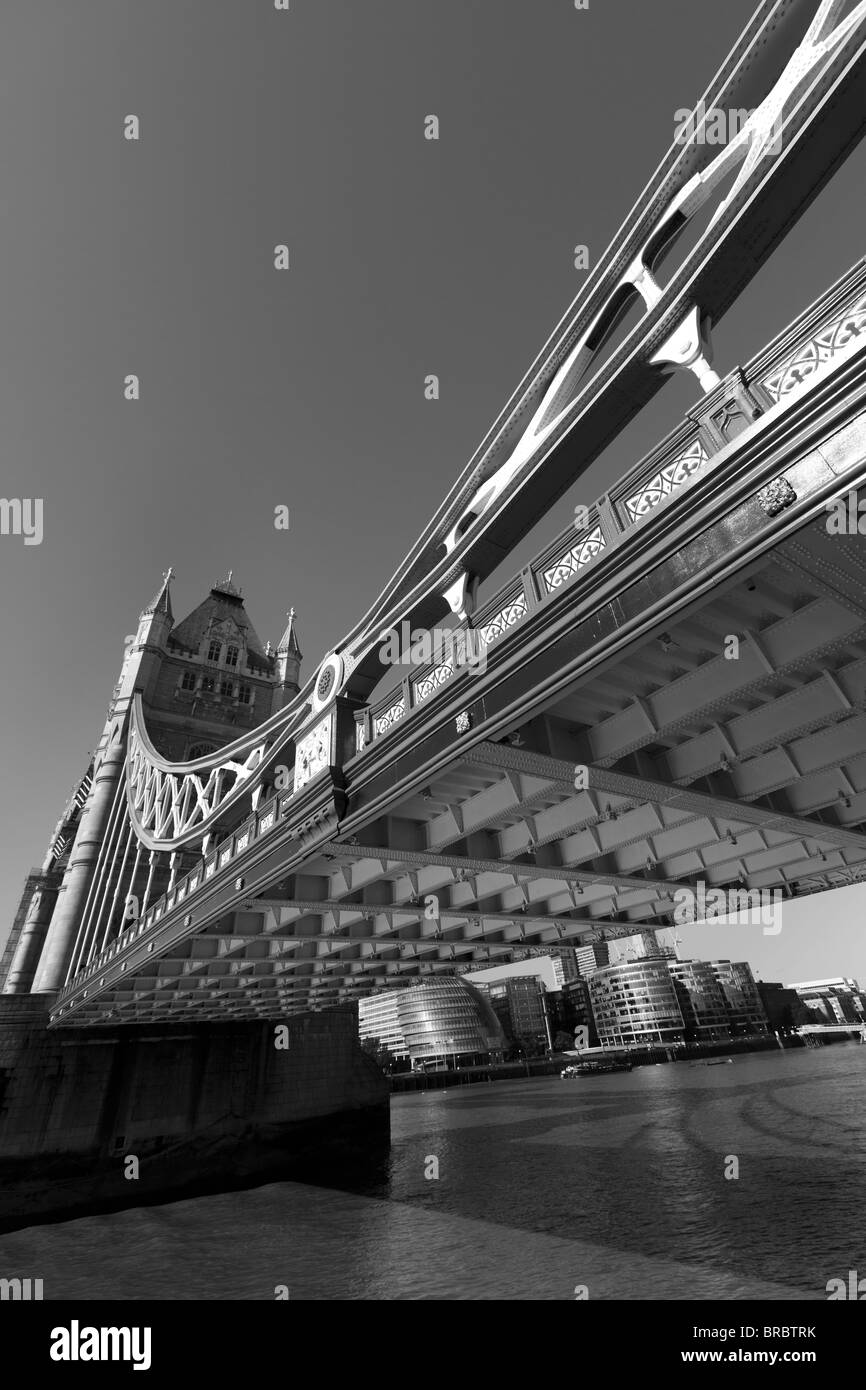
{"x":305,"y":388}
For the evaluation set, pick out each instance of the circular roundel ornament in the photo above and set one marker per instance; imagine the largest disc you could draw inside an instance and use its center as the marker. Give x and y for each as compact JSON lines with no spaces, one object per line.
{"x":329,"y":680}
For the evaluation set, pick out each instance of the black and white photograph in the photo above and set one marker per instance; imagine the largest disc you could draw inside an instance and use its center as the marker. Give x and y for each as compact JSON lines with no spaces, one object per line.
{"x":433,"y":642}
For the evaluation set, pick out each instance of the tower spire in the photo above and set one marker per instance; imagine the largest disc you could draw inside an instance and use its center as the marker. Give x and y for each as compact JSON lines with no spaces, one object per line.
{"x":289,"y":641}
{"x":288,"y":660}
{"x":161,"y":601}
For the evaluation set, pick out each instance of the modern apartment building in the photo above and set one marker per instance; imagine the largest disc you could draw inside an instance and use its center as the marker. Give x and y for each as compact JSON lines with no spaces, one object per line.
{"x":591,"y":958}
{"x":521,"y":1008}
{"x":746,"y":1014}
{"x":701,"y":999}
{"x":659,"y":999}
{"x":570,"y":1008}
{"x":636,"y":1002}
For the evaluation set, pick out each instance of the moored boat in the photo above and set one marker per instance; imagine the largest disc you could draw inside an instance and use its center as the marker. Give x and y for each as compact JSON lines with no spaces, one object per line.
{"x":594,"y":1068}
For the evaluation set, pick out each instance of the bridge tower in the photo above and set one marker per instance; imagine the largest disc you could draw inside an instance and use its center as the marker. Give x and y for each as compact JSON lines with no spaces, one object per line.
{"x":203,"y":681}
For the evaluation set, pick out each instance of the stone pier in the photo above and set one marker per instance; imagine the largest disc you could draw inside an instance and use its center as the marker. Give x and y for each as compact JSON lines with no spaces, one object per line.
{"x":202,"y":1108}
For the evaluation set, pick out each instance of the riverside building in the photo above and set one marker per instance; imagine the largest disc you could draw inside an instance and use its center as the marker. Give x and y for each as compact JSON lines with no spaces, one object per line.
{"x":522,"y":995}
{"x":746,"y":1015}
{"x":570,"y":1008}
{"x":521,"y":1007}
{"x":702,"y":1002}
{"x":664,"y":1000}
{"x":783,"y":1006}
{"x":833,"y":1001}
{"x":439,"y":1020}
{"x":635,"y":1002}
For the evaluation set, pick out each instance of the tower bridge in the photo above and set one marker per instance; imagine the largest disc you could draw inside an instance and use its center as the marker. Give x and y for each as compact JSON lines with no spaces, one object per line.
{"x":673,"y":692}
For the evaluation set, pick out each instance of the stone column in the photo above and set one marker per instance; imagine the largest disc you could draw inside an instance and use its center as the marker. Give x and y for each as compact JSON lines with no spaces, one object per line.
{"x":29,"y":948}
{"x":60,"y":941}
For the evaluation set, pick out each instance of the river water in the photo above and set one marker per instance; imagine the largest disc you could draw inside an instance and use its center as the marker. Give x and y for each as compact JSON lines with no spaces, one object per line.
{"x":610,"y":1184}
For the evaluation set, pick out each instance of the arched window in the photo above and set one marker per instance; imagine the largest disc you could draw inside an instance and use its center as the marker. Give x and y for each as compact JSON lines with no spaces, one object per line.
{"x":232,"y":654}
{"x":213,"y":651}
{"x":207,"y":683}
{"x":225,"y":687}
{"x":188,"y":682}
{"x":245,"y":694}
{"x":199,"y":750}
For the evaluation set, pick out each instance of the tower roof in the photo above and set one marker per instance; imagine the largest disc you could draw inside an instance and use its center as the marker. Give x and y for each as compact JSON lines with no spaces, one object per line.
{"x":161,"y":601}
{"x":224,"y":602}
{"x":289,"y":640}
{"x":225,"y":588}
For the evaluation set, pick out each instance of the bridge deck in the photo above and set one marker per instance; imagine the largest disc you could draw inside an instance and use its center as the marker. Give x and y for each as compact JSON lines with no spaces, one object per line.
{"x":617,"y":747}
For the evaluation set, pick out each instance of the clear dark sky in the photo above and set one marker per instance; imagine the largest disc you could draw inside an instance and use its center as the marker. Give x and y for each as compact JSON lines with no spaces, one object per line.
{"x":306,"y":387}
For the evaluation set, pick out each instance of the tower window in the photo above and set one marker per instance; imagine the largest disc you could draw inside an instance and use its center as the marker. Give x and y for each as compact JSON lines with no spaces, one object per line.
{"x":207,"y":683}
{"x":188,"y":682}
{"x":199,"y":750}
{"x":244,"y":694}
{"x":231,"y":656}
{"x":213,"y":651}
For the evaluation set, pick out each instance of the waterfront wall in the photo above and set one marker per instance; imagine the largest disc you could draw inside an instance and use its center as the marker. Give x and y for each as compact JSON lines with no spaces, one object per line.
{"x":201,"y":1107}
{"x":643,"y":1056}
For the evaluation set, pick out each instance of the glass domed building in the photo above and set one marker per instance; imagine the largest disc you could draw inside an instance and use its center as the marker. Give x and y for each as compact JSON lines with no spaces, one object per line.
{"x":441,"y":1019}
